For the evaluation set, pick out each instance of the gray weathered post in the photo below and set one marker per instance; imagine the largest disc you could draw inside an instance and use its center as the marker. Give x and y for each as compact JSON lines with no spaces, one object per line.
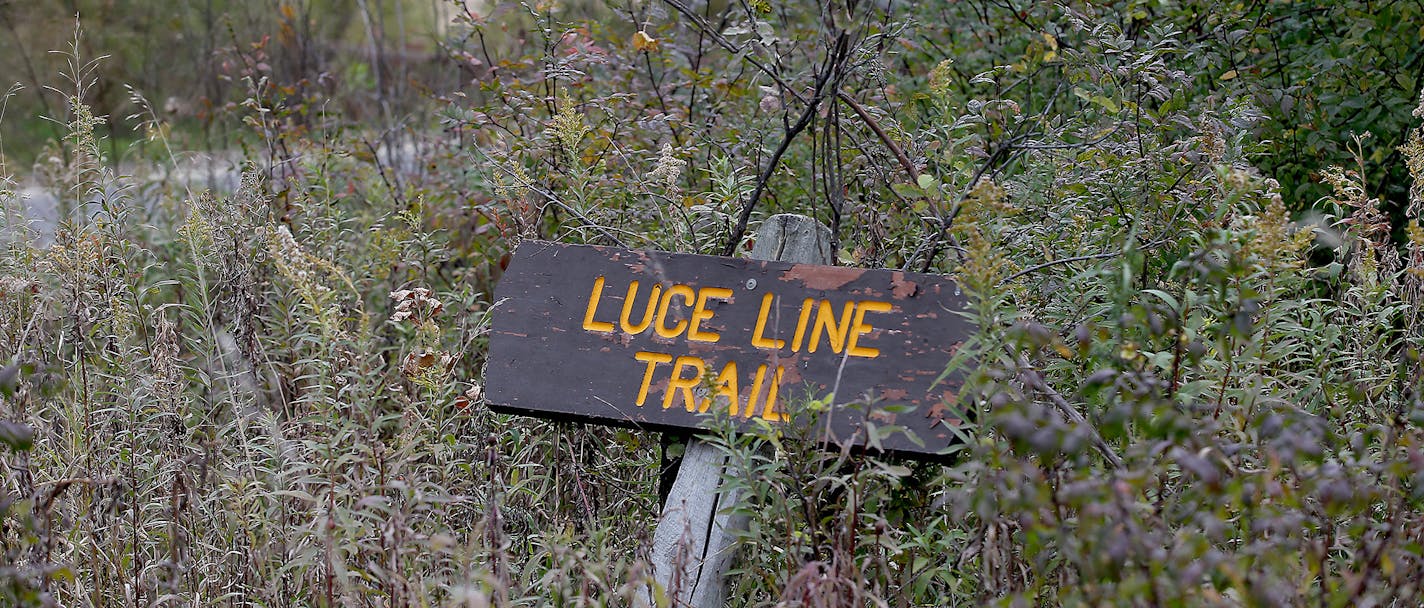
{"x":695,"y":539}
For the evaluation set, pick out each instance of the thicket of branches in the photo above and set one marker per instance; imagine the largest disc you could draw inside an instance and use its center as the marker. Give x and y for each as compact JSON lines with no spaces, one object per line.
{"x":1189,"y":232}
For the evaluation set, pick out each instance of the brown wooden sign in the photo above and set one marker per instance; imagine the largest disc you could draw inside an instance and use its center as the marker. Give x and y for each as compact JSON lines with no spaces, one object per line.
{"x":666,"y":341}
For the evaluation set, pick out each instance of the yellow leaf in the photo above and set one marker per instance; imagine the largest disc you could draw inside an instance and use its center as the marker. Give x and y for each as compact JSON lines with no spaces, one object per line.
{"x":1229,"y":75}
{"x":643,"y":42}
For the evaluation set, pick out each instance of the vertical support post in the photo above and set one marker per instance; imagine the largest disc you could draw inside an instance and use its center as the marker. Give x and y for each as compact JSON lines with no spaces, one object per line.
{"x":695,"y":539}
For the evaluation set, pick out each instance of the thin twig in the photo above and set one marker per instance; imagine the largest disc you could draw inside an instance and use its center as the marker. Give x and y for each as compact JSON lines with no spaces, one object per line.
{"x":1032,"y":379}
{"x":833,"y":60}
{"x":381,"y":169}
{"x":704,"y":29}
{"x":879,"y":132}
{"x":549,"y":197}
{"x":1077,"y":258}
{"x":716,"y":37}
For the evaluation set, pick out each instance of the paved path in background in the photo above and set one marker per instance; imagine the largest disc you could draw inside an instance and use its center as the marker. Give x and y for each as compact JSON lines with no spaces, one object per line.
{"x":39,"y":208}
{"x":220,"y":172}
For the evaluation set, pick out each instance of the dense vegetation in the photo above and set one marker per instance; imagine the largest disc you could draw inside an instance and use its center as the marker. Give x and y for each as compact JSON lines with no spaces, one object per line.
{"x":1189,"y":231}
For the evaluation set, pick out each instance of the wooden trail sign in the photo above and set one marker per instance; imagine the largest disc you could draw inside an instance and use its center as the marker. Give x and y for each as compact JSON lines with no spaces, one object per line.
{"x":660,"y":341}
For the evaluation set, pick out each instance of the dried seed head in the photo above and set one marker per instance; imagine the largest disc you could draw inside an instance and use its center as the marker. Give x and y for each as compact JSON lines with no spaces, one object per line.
{"x":567,"y":127}
{"x":941,"y":77}
{"x":669,"y":168}
{"x":415,"y":305}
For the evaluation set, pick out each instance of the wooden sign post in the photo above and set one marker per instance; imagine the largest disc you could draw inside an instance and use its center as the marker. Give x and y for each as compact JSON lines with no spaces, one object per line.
{"x":696,"y":537}
{"x":668,"y":342}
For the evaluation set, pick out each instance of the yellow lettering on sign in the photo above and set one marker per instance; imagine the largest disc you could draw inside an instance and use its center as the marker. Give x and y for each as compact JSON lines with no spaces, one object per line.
{"x":859,"y":328}
{"x":625,"y":320}
{"x":835,"y":332}
{"x":755,"y":395}
{"x":842,"y":331}
{"x":687,"y":297}
{"x":770,"y":412}
{"x":801,"y":325}
{"x":726,"y":386}
{"x":588,"y":323}
{"x":700,"y":314}
{"x":758,"y":336}
{"x":652,"y":359}
{"x":678,"y":383}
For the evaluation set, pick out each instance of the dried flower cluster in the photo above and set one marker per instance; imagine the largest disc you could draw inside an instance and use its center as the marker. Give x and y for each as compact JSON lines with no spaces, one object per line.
{"x":427,"y":364}
{"x":1374,"y":259}
{"x":415,"y":305}
{"x":567,"y":128}
{"x":941,"y":78}
{"x":668,"y":170}
{"x":311,"y":276}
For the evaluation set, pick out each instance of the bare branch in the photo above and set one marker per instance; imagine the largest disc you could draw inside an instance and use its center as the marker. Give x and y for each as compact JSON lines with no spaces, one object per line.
{"x":1032,"y":379}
